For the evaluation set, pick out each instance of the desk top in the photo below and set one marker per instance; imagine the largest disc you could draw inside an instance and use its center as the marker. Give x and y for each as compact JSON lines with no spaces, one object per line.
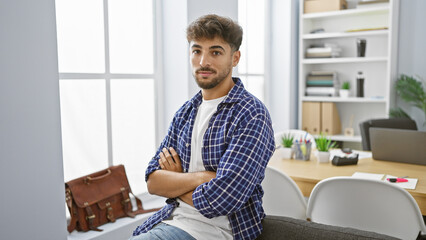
{"x":312,"y":171}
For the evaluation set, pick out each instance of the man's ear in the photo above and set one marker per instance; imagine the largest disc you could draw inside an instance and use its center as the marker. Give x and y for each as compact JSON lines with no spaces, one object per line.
{"x":236,"y":58}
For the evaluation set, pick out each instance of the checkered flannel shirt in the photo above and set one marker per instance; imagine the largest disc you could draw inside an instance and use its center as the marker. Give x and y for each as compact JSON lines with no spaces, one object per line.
{"x":238,"y":144}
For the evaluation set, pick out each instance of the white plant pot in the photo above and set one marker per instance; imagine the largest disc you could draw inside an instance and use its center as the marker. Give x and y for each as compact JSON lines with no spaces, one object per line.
{"x":287,"y":153}
{"x":344,"y":93}
{"x":322,"y":157}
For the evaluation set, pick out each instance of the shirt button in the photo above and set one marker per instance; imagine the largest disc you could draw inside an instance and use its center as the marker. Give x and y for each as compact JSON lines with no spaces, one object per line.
{"x":187,"y":144}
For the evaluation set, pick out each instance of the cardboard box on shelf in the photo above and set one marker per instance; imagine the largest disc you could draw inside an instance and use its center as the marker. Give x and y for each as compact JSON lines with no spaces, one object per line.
{"x":313,"y":6}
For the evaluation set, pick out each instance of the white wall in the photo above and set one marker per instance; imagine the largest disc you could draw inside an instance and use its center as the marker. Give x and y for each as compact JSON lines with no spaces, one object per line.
{"x":282,"y":64}
{"x":174,"y":89}
{"x":31,"y":176}
{"x":412,"y":49}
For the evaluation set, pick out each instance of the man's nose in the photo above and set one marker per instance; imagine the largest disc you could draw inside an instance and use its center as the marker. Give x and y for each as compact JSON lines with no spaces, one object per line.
{"x":205,"y":60}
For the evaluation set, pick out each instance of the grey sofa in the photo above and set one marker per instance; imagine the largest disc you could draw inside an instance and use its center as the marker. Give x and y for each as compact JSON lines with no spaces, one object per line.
{"x":275,"y":227}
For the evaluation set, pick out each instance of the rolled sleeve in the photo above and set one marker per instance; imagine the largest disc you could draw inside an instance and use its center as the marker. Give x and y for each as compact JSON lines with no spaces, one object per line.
{"x":169,"y":141}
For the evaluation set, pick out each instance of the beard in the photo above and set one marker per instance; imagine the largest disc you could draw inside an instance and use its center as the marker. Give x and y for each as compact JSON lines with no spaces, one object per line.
{"x":213,"y":82}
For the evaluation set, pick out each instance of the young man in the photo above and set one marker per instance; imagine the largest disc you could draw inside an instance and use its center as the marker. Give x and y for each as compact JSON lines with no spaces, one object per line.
{"x":212,"y":161}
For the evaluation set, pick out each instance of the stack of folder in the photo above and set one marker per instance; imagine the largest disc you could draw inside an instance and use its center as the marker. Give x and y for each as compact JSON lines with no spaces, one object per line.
{"x":327,"y":50}
{"x":321,"y":83}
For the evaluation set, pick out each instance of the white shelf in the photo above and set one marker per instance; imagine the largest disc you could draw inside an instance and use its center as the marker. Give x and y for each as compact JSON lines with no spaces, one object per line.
{"x":346,"y":34}
{"x":346,"y":12}
{"x":342,"y":28}
{"x":344,"y":138}
{"x":344,"y":60}
{"x":343,"y":100}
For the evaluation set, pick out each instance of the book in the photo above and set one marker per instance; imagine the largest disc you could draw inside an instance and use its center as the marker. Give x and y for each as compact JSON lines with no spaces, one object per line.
{"x":367,"y":29}
{"x":320,"y":77}
{"x":320,"y":91}
{"x":318,"y":55}
{"x":321,"y":72}
{"x":327,"y":50}
{"x":372,"y":3}
{"x":320,"y":83}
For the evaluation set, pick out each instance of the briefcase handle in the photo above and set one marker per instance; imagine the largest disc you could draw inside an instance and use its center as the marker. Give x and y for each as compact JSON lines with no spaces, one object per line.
{"x":88,"y":178}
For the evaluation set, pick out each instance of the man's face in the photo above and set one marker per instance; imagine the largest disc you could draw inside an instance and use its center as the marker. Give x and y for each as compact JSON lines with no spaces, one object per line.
{"x":212,"y":61}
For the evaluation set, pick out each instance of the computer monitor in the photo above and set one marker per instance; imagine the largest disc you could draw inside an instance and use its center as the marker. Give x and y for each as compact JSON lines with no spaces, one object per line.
{"x":398,"y":145}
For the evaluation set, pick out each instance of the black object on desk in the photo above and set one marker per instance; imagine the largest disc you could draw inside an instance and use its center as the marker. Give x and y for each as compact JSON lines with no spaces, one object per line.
{"x":342,"y":161}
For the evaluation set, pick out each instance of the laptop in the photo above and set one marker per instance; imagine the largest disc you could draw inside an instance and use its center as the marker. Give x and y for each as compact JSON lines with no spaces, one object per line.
{"x":398,"y":145}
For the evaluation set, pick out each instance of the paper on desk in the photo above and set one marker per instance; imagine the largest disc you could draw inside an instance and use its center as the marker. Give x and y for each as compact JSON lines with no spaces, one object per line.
{"x":362,"y":154}
{"x":411,"y":184}
{"x":374,"y":176}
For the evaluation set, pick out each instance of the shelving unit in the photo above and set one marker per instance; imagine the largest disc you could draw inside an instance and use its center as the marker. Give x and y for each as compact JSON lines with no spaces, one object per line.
{"x":379,"y":65}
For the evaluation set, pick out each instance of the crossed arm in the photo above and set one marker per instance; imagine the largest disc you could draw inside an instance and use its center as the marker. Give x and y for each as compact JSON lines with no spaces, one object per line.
{"x":172,"y":182}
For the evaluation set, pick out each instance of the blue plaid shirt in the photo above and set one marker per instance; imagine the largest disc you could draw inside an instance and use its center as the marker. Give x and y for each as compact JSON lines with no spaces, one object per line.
{"x":238,"y":144}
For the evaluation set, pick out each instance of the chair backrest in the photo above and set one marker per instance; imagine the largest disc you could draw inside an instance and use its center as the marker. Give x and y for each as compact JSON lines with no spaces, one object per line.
{"x":282,"y":196}
{"x":366,"y":204}
{"x":398,"y":123}
{"x":298,"y":134}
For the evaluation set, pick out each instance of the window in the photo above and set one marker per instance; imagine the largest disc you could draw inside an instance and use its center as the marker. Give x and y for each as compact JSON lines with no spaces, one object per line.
{"x":251,"y":69}
{"x":107,"y":86}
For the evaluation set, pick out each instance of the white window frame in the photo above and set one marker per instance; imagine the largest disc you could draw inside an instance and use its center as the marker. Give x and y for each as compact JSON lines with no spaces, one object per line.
{"x":107,"y":76}
{"x":265,"y":73}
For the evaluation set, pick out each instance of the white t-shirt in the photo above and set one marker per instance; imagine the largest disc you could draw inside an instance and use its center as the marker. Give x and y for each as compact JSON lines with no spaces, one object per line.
{"x":186,"y":217}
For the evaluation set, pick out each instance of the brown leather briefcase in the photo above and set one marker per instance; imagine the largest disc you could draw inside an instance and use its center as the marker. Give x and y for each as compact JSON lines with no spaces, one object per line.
{"x":100,"y":198}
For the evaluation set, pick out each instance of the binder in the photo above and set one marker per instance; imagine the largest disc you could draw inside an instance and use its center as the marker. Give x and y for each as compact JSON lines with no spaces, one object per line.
{"x":321,"y":117}
{"x":330,"y":120}
{"x":311,"y":117}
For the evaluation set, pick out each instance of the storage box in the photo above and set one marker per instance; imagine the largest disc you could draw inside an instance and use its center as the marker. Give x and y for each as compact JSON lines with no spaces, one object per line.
{"x":321,"y":117}
{"x":313,"y":6}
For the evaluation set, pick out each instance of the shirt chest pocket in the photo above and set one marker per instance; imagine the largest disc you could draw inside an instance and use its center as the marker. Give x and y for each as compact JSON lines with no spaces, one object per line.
{"x":214,"y":146}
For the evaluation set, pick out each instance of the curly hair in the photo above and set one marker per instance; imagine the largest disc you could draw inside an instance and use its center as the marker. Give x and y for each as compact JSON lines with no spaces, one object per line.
{"x":211,"y":26}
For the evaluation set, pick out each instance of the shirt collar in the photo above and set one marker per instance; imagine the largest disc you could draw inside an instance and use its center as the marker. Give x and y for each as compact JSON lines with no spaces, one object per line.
{"x":234,"y":95}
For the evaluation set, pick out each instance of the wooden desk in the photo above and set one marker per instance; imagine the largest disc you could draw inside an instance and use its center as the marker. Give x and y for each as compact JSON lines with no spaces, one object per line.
{"x":308,"y":173}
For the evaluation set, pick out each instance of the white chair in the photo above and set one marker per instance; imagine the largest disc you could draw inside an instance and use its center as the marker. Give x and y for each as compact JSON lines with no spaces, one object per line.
{"x":282,"y":196}
{"x":366,"y":204}
{"x":298,"y":134}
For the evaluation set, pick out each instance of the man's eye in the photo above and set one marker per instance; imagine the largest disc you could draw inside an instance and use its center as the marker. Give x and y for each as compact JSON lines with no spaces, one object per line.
{"x":217,"y":53}
{"x":196,"y":51}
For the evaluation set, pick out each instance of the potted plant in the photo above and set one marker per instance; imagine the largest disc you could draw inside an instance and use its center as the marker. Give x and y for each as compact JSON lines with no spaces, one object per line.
{"x":411,"y":91}
{"x":344,"y":91}
{"x":287,"y":143}
{"x":323,"y":146}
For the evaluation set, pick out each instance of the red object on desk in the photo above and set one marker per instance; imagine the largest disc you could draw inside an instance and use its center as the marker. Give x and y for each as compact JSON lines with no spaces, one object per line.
{"x":397,"y":180}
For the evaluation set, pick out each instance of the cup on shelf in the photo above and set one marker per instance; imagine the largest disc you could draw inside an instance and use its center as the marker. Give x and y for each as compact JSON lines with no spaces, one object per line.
{"x":361,"y":45}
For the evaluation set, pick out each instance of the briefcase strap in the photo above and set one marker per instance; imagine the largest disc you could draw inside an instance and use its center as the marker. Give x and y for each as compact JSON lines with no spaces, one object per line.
{"x":126,"y":203}
{"x":91,"y":217}
{"x":140,"y":209}
{"x":73,"y":221}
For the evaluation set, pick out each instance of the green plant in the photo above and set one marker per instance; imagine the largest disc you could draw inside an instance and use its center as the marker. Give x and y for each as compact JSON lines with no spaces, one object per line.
{"x":411,"y":91}
{"x":324,"y":143}
{"x":287,"y":140}
{"x":346,"y":85}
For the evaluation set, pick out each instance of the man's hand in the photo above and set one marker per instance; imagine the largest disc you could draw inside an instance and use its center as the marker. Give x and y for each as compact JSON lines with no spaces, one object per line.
{"x":170,"y":160}
{"x":171,"y":181}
